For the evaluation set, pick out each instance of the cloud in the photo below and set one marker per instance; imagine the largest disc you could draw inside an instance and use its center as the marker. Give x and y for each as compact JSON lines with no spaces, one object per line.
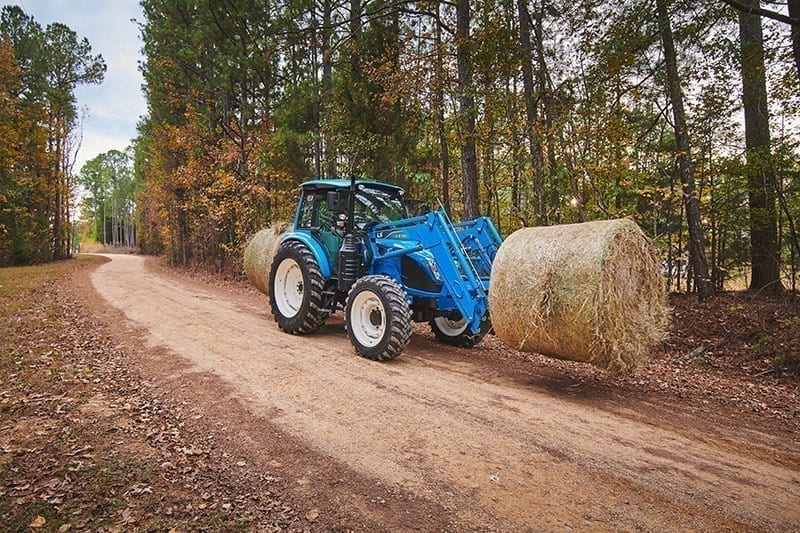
{"x":94,"y":143}
{"x":113,"y":107}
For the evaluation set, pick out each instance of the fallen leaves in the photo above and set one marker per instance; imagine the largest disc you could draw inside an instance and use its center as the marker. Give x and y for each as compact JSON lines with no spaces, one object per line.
{"x":732,"y":355}
{"x":88,"y":441}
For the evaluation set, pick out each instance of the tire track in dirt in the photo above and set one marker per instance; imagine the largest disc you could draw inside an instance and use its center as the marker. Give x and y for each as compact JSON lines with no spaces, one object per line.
{"x":492,"y":451}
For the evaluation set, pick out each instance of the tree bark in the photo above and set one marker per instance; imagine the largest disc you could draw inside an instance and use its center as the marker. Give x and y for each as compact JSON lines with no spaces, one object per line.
{"x":794,"y":12}
{"x":793,"y":20}
{"x":764,"y":250}
{"x":317,"y":108}
{"x":531,"y":111}
{"x":327,"y":87}
{"x":466,"y":103}
{"x":751,"y":8}
{"x":548,"y":95}
{"x":439,"y":108}
{"x":59,"y":135}
{"x":697,"y":255}
{"x":355,"y":32}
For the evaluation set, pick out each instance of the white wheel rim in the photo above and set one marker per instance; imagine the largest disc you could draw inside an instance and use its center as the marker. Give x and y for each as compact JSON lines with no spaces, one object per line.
{"x":367,"y":319}
{"x":288,"y":289}
{"x":451,"y":328}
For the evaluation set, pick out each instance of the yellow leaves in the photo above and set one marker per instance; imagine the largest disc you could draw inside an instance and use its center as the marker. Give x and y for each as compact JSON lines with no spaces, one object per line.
{"x":10,"y":73}
{"x":202,"y":192}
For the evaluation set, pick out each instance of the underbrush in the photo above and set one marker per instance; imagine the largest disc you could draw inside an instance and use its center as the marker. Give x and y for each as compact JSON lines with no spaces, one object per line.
{"x":757,"y":333}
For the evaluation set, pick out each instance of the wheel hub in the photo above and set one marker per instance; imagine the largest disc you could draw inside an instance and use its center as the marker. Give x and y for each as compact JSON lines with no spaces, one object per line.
{"x":367,"y":319}
{"x":450,"y":327}
{"x":288,"y":288}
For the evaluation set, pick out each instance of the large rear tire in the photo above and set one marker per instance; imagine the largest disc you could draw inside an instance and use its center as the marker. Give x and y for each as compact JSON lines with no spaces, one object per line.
{"x":296,"y":285}
{"x":457,"y":333}
{"x":378,"y":318}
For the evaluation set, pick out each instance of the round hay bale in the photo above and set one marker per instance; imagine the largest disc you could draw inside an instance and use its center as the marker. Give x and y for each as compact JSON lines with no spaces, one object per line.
{"x":590,"y":292}
{"x":259,"y":253}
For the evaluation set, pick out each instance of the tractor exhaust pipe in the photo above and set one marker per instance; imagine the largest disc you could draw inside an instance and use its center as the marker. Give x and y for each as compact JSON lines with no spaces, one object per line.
{"x":349,"y":266}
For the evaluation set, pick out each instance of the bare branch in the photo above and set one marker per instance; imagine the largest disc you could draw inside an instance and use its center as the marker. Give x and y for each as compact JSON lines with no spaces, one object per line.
{"x":774,"y":15}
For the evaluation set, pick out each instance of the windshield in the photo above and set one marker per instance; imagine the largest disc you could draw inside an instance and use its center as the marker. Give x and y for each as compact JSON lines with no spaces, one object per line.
{"x":378,"y":205}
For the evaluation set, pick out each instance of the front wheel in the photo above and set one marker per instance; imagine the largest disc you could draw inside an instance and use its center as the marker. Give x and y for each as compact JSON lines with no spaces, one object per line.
{"x":457,"y":333}
{"x":378,"y":318}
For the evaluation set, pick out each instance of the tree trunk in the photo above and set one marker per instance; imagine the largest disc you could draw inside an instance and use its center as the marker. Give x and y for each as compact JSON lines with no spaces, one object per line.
{"x":466,"y":101}
{"x":531,"y":112}
{"x":317,"y":93}
{"x":697,"y":255}
{"x":548,"y":95}
{"x":794,"y":12}
{"x":327,"y":88}
{"x":765,"y":256}
{"x":355,"y":31}
{"x":438,"y":93}
{"x":61,"y":224}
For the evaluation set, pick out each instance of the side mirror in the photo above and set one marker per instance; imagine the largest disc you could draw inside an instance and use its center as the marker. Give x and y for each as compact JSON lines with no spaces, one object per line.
{"x":337,"y":201}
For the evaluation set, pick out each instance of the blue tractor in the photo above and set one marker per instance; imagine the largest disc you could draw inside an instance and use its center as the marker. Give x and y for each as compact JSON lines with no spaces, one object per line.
{"x":354,"y":247}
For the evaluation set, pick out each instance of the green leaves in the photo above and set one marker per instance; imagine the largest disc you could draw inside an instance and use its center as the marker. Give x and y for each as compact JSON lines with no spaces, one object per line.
{"x":42,"y":68}
{"x":260,"y":97}
{"x":109,"y":181}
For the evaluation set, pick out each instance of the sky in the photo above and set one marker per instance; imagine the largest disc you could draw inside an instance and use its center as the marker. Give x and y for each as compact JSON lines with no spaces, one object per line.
{"x":113,"y":107}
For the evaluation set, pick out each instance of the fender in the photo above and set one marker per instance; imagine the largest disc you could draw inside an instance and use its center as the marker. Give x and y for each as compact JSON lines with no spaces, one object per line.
{"x":316,"y":249}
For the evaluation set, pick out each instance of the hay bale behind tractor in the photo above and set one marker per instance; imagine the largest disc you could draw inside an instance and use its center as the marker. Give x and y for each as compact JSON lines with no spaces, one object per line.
{"x":590,"y":292}
{"x":259,"y":253}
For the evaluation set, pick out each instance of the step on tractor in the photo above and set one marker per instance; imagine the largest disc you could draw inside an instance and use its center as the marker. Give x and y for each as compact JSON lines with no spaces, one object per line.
{"x":354,"y":247}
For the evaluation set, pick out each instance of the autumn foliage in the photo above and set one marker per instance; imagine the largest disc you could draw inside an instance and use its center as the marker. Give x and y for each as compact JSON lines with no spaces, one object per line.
{"x":39,"y":70}
{"x":534,"y":113}
{"x":552,"y":113}
{"x":25,"y":191}
{"x":205,"y":210}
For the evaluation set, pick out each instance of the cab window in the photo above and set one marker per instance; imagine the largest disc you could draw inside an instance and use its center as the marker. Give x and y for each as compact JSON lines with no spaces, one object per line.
{"x":314,"y":212}
{"x":378,"y":205}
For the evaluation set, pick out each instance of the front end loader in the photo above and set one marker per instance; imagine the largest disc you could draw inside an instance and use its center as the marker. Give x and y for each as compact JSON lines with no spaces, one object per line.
{"x":354,"y":247}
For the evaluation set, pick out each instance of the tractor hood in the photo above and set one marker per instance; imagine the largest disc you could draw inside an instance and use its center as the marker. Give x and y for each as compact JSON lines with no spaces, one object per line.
{"x":418,"y":265}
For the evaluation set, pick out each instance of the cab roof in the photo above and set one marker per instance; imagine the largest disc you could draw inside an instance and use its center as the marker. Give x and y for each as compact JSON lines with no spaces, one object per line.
{"x":344,"y":183}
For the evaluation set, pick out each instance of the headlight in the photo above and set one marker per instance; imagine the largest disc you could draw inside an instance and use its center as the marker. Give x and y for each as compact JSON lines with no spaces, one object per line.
{"x":434,"y":269}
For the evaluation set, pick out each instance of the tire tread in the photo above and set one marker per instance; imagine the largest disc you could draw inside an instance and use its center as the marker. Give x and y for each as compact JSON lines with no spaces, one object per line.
{"x":314,"y":316}
{"x":399,"y":312}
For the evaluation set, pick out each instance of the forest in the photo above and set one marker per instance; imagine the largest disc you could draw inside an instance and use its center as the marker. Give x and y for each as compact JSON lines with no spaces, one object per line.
{"x":683,"y":116}
{"x":39,"y":127}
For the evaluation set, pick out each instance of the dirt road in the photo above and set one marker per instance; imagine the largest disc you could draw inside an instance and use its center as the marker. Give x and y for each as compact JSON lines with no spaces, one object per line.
{"x":487,"y":449}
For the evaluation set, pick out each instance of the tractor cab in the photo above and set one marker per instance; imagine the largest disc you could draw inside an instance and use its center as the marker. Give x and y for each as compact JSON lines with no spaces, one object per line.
{"x":324,"y":205}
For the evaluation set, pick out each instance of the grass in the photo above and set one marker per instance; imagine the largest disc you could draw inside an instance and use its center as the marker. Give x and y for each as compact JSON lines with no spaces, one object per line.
{"x":43,"y":385}
{"x":22,"y":280}
{"x":763,"y":343}
{"x":27,"y":516}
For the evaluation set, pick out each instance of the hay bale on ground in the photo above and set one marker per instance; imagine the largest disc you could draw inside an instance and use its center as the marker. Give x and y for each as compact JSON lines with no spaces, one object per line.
{"x":590,"y":292}
{"x":259,"y":253}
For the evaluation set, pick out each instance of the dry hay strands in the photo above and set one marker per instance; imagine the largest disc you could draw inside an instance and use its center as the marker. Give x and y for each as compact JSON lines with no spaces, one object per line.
{"x":259,"y":253}
{"x":590,"y":292}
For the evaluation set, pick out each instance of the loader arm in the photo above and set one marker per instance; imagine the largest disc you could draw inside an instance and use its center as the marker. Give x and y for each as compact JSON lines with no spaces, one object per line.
{"x":461,"y":254}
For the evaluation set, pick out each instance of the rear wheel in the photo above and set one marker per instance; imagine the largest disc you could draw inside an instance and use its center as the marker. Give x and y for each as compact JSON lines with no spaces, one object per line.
{"x":378,"y":318}
{"x":457,"y":333}
{"x":295,"y":294}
